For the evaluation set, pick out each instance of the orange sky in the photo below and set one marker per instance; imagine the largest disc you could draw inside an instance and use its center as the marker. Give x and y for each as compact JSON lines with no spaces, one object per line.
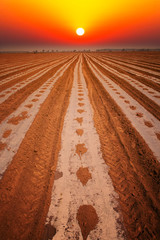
{"x":108,"y":23}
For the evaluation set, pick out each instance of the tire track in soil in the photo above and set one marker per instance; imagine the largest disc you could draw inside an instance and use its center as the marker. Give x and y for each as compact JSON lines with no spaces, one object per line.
{"x":14,"y":101}
{"x":25,"y":188}
{"x":133,"y":168}
{"x":147,"y":103}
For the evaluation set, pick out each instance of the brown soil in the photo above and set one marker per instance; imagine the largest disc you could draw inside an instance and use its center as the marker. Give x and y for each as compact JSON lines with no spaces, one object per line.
{"x":29,"y":105}
{"x":80,"y":120}
{"x":81,"y":149}
{"x":49,"y":231}
{"x":132,"y":107}
{"x":133,"y":168}
{"x":83,"y":175}
{"x":17,"y":119}
{"x":58,"y":175}
{"x":147,"y":103}
{"x":34,"y":100}
{"x":7,"y":133}
{"x":19,"y":79}
{"x":139,"y":114}
{"x":121,"y":97}
{"x":81,"y":104}
{"x":148,"y":124}
{"x":80,"y":110}
{"x":14,"y":101}
{"x":79,"y":132}
{"x":80,"y":99}
{"x":158,"y":135}
{"x":127,"y":72}
{"x":2,"y":146}
{"x":26,"y":186}
{"x":31,"y":65}
{"x":87,"y":219}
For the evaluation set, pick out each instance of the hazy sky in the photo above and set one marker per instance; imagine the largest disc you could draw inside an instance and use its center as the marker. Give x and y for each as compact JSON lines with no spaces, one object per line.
{"x":52,"y":24}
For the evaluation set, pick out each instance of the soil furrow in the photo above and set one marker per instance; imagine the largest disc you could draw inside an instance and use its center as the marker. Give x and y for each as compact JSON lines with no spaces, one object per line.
{"x":147,"y":103}
{"x":133,"y":168}
{"x":20,"y":79}
{"x":12,"y":103}
{"x":25,"y":188}
{"x":31,"y":65}
{"x":123,"y":63}
{"x":145,"y":81}
{"x":21,"y":67}
{"x":129,"y":66}
{"x":8,"y":82}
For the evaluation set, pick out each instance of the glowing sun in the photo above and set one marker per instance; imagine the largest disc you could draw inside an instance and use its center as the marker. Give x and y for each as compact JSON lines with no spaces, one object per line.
{"x":80,"y":31}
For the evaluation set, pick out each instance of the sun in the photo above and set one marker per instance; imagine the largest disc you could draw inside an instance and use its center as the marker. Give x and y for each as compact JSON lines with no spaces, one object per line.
{"x":80,"y":31}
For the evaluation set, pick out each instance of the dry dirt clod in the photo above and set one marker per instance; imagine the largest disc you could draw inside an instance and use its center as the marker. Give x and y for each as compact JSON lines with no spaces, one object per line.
{"x":81,"y":149}
{"x":83,"y":175}
{"x":79,"y":132}
{"x":87,"y":219}
{"x":58,"y":175}
{"x":17,"y":119}
{"x":80,"y":110}
{"x":80,"y":120}
{"x":7,"y":133}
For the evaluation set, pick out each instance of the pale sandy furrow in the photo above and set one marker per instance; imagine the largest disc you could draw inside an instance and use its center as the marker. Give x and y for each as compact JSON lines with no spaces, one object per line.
{"x":8,"y":79}
{"x":28,"y":71}
{"x":149,"y":92}
{"x":9,"y":91}
{"x":68,"y":192}
{"x":26,"y":112}
{"x":144,"y":75}
{"x":148,"y":65}
{"x":139,"y":68}
{"x":30,"y":64}
{"x":144,"y":122}
{"x":18,"y":68}
{"x":139,"y":74}
{"x":19,"y":65}
{"x":10,"y":68}
{"x":135,"y":62}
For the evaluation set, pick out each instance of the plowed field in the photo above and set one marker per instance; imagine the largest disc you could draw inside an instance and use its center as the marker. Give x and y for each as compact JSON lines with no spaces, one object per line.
{"x":80,"y":146}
